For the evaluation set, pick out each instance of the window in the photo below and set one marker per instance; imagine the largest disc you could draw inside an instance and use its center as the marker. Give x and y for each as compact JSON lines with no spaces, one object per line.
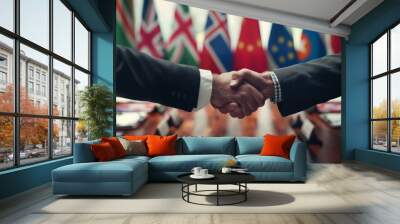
{"x":34,"y":128}
{"x":44,"y":91}
{"x":38,"y":89}
{"x":385,"y":93}
{"x":30,"y":87}
{"x":3,"y":72}
{"x":30,"y":72}
{"x":3,"y":61}
{"x":3,"y":78}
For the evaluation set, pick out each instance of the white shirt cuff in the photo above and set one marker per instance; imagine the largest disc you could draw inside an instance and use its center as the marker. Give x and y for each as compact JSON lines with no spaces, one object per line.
{"x":205,"y":89}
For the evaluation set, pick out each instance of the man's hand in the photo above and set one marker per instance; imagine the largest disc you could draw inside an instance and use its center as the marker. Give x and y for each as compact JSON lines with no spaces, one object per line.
{"x":261,"y":81}
{"x":240,"y":93}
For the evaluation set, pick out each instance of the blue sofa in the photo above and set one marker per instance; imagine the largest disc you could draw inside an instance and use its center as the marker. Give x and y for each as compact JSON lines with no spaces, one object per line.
{"x":125,"y":176}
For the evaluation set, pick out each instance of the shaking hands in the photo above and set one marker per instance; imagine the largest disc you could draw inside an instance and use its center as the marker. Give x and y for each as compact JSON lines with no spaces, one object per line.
{"x":240,"y":93}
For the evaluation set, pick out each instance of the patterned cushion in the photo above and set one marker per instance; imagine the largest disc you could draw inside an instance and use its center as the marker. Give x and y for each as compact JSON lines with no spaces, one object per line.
{"x":134,"y":147}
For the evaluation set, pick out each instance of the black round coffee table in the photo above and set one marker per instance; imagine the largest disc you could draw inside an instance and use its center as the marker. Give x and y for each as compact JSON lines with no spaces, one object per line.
{"x":238,"y":179}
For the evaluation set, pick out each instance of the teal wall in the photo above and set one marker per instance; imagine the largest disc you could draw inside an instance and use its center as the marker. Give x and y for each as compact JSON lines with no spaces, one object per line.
{"x":356,"y":86}
{"x":99,"y":15}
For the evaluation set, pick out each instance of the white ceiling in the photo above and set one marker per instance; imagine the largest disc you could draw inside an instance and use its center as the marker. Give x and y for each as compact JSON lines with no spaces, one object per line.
{"x":324,"y":16}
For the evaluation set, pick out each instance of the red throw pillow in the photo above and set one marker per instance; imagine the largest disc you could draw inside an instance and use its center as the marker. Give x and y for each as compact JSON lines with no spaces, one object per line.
{"x":103,"y":152}
{"x":161,"y":145}
{"x":277,"y":145}
{"x":116,"y":145}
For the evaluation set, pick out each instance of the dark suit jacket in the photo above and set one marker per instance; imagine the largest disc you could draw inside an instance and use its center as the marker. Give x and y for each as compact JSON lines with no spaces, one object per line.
{"x":307,"y":84}
{"x":141,"y":77}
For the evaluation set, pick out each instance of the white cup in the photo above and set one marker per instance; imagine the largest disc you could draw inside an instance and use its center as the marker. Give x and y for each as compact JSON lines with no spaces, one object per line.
{"x":196,"y":171}
{"x":226,"y":170}
{"x":203,"y":172}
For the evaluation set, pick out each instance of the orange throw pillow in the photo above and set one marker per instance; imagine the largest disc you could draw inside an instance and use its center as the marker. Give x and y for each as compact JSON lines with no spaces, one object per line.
{"x":161,"y":145}
{"x":116,"y":145}
{"x":277,"y":145}
{"x":103,"y":152}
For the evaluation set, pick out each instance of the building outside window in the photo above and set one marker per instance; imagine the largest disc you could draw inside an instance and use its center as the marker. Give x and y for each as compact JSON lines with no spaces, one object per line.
{"x":385,"y":92}
{"x":57,"y":127}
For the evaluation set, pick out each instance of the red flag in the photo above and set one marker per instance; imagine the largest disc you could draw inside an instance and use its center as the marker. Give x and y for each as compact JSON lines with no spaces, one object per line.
{"x":336,"y":44}
{"x":249,"y":51}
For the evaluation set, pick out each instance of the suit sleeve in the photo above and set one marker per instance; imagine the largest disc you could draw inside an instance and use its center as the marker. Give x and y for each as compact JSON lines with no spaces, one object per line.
{"x":141,"y":77}
{"x":307,"y":84}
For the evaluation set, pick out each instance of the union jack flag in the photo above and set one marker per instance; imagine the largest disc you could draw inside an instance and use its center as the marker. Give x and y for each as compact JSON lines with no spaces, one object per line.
{"x":217,"y":55}
{"x":150,"y":40}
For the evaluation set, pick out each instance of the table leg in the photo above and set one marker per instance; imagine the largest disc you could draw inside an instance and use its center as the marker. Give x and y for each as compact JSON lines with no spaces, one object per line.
{"x":195,"y":188}
{"x":217,"y":194}
{"x":245,"y":193}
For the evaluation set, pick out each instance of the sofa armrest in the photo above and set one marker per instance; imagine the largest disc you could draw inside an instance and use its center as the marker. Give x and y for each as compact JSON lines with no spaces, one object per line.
{"x":298,"y":156}
{"x":83,"y":152}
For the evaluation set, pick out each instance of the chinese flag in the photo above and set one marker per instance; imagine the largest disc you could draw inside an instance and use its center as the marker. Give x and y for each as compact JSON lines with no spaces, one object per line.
{"x":249,"y":51}
{"x":336,"y":44}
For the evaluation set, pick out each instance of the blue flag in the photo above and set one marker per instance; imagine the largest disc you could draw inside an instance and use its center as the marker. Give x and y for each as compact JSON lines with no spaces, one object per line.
{"x":312,"y":46}
{"x":280,"y":46}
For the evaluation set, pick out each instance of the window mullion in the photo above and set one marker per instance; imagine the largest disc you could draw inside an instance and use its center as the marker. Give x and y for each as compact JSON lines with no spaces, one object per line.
{"x":16,"y":84}
{"x":389,"y":106}
{"x":73,"y":82}
{"x":50,"y":81}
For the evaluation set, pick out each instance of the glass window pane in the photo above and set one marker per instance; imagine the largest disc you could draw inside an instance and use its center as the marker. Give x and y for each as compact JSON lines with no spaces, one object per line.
{"x":81,"y":82}
{"x":62,"y":89}
{"x":81,"y":45}
{"x":62,"y":138}
{"x":6,"y":74}
{"x":379,"y":97}
{"x":34,"y":96}
{"x":6,"y":142}
{"x":62,"y":29}
{"x":35,"y":21}
{"x":379,"y":135}
{"x":395,"y":136}
{"x":395,"y":47}
{"x":33,"y":140}
{"x":379,"y":55}
{"x":395,"y":94}
{"x":81,"y":131}
{"x":7,"y":14}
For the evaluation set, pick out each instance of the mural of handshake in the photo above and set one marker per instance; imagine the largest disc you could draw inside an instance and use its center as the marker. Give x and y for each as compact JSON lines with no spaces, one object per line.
{"x":240,"y":93}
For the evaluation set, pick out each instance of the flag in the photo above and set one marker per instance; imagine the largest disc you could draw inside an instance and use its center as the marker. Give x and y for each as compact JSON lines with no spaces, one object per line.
{"x":312,"y":46}
{"x":249,"y":51}
{"x":336,"y":44}
{"x":216,"y":55}
{"x":181,"y":47}
{"x":280,"y":46}
{"x":125,"y":34}
{"x":150,"y":40}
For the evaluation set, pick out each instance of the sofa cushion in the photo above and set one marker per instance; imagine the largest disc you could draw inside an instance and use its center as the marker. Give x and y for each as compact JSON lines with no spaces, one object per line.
{"x":257,"y":163}
{"x":207,"y":145}
{"x":112,"y":171}
{"x":116,"y":145}
{"x":103,"y":152}
{"x":185,"y":163}
{"x":277,"y":145}
{"x":161,"y":145}
{"x":249,"y":145}
{"x":134,"y":147}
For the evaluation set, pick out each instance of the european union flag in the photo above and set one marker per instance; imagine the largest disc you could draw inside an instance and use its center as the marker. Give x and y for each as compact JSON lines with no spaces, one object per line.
{"x":312,"y":46}
{"x":280,"y":46}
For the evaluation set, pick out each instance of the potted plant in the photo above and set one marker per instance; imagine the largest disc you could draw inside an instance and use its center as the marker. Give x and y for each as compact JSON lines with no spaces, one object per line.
{"x":96,"y":104}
